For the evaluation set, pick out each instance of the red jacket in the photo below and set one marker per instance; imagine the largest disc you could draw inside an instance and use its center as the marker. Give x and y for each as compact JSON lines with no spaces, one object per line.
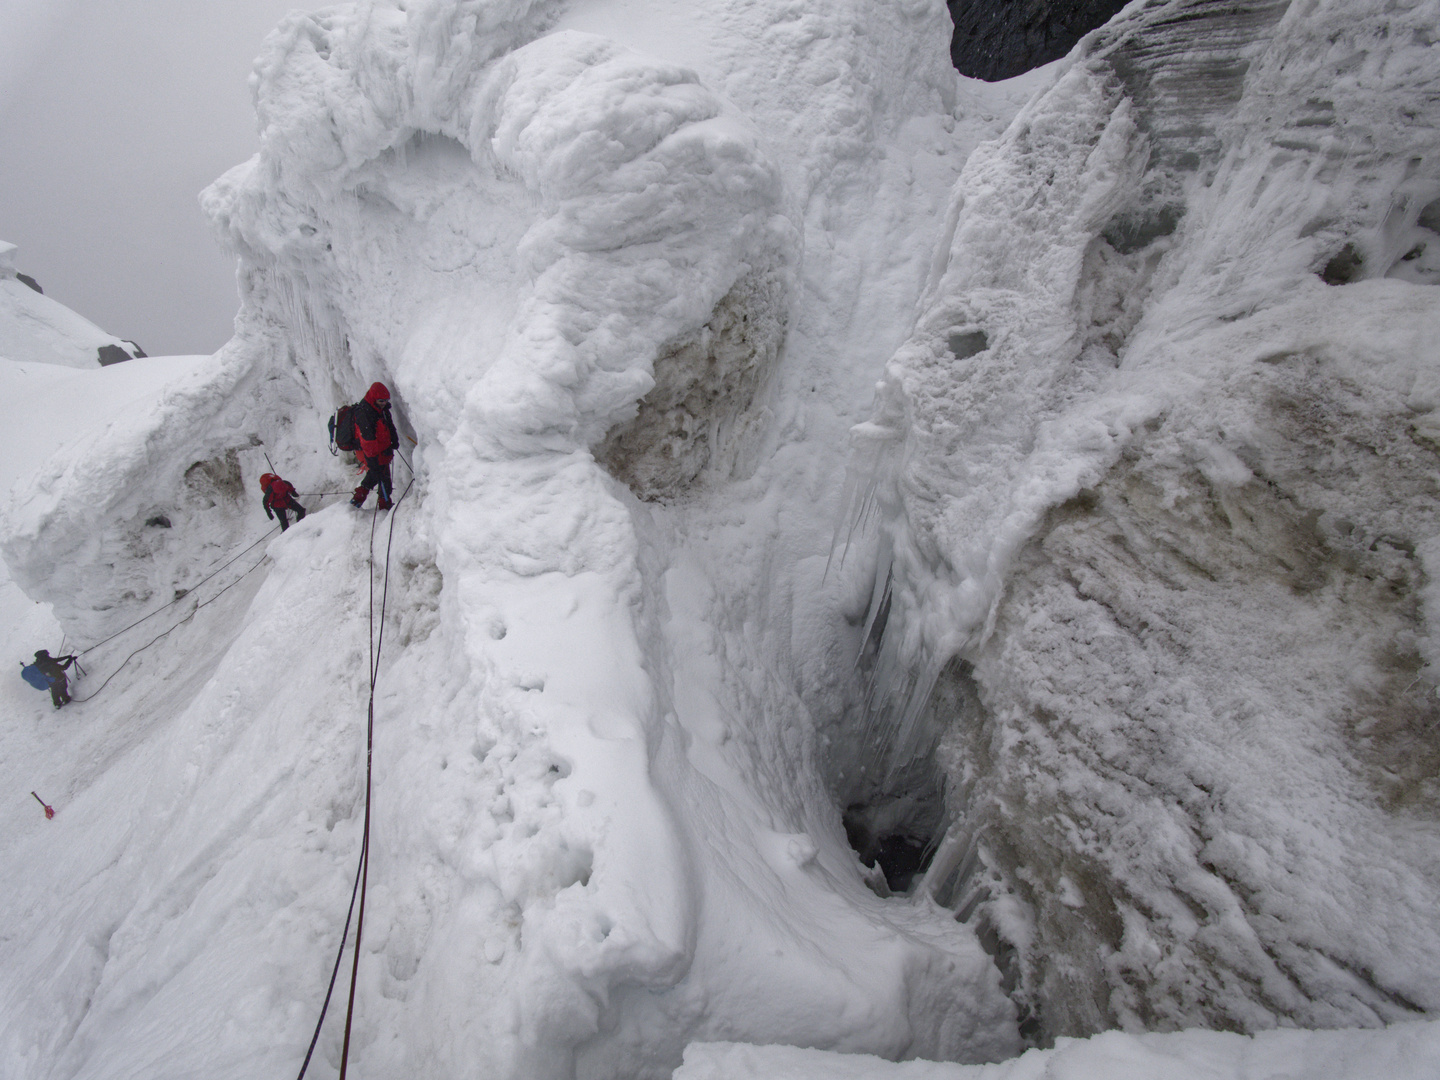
{"x":374,"y":430}
{"x":279,"y":494}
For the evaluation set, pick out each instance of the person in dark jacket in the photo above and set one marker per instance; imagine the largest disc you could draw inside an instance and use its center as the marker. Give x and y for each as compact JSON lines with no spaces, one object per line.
{"x":280,"y":498}
{"x":375,"y":442}
{"x":53,"y":668}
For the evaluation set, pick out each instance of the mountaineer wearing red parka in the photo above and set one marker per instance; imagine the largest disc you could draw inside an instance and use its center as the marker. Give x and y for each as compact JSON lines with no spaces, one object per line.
{"x":375,"y":442}
{"x":280,"y":497}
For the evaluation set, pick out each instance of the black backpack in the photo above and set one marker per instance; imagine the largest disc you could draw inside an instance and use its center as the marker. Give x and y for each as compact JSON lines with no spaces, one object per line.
{"x":342,"y":429}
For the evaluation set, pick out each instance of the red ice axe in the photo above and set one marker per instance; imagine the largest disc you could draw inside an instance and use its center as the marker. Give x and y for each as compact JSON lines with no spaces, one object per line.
{"x":49,"y":810}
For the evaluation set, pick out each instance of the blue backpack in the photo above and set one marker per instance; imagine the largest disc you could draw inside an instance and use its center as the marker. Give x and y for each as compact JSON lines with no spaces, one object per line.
{"x":34,"y":676}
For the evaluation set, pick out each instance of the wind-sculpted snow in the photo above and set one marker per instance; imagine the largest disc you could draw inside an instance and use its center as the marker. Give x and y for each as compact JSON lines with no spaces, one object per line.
{"x":1162,"y":510}
{"x":1145,"y":645}
{"x":601,"y":825}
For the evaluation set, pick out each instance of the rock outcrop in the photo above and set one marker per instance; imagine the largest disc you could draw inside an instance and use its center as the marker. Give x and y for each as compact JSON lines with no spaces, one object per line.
{"x":999,"y":39}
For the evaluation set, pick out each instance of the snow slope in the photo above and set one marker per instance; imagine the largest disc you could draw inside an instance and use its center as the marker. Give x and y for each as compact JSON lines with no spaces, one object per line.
{"x":632,"y":272}
{"x":36,"y":329}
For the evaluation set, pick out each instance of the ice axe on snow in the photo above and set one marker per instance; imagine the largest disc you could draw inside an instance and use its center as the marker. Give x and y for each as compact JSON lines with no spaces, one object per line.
{"x":49,"y":810}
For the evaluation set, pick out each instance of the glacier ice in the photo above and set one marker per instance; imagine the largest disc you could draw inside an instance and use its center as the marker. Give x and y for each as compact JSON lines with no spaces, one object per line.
{"x":1108,"y":608}
{"x":1163,"y":545}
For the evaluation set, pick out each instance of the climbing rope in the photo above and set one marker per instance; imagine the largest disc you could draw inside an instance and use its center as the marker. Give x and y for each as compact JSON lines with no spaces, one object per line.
{"x":187,"y":592}
{"x":182,"y":622}
{"x":178,"y":598}
{"x":362,"y":869}
{"x":340,"y":952}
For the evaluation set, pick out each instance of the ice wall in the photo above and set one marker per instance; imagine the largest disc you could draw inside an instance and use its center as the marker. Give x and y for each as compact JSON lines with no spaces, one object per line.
{"x":1156,"y":471}
{"x":545,"y":247}
{"x":627,"y":309}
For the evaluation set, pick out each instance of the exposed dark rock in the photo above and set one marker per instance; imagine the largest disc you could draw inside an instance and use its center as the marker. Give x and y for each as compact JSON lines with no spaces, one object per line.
{"x":28,"y":280}
{"x":112,"y":354}
{"x":998,"y":39}
{"x":1344,"y":267}
{"x":135,"y":350}
{"x":966,"y":343}
{"x":159,"y":521}
{"x":694,"y":418}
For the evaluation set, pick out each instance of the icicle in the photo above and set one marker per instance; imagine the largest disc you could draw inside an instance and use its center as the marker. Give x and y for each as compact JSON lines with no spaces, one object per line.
{"x":910,"y":734}
{"x":859,"y":504}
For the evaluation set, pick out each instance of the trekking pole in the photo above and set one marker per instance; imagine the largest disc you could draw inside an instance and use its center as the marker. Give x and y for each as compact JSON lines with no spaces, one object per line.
{"x":269,"y":462}
{"x":49,"y":810}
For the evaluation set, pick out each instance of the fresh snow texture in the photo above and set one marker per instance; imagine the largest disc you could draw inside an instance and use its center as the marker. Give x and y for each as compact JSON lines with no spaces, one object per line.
{"x":632,"y":271}
{"x":1401,"y":1052}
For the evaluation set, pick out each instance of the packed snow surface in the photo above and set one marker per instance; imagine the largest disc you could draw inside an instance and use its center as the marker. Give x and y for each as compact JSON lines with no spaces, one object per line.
{"x":1401,"y":1052}
{"x":1130,"y":543}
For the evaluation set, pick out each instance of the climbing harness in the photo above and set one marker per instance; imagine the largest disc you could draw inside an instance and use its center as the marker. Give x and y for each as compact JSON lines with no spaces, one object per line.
{"x":362,"y":869}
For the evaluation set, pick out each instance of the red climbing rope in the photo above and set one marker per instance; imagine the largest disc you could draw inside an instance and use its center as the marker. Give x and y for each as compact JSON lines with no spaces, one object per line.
{"x":362,"y":869}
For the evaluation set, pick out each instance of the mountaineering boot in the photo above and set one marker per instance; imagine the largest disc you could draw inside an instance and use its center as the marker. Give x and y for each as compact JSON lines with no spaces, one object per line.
{"x":359,"y":499}
{"x":382,"y":501}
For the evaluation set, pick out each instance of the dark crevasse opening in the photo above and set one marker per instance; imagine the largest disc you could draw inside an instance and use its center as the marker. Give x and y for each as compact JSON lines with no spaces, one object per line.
{"x":894,"y":834}
{"x":892,"y":801}
{"x":999,"y":39}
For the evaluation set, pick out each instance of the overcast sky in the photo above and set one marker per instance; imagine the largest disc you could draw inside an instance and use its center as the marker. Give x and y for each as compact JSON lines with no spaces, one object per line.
{"x":113,"y":115}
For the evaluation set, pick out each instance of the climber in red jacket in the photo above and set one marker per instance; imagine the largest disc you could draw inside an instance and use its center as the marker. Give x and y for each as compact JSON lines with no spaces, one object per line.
{"x":280,"y":497}
{"x":375,"y":442}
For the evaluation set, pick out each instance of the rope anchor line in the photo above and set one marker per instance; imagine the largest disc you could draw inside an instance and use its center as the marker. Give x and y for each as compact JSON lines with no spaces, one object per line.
{"x":362,"y":868}
{"x":181,"y":595}
{"x":165,"y":633}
